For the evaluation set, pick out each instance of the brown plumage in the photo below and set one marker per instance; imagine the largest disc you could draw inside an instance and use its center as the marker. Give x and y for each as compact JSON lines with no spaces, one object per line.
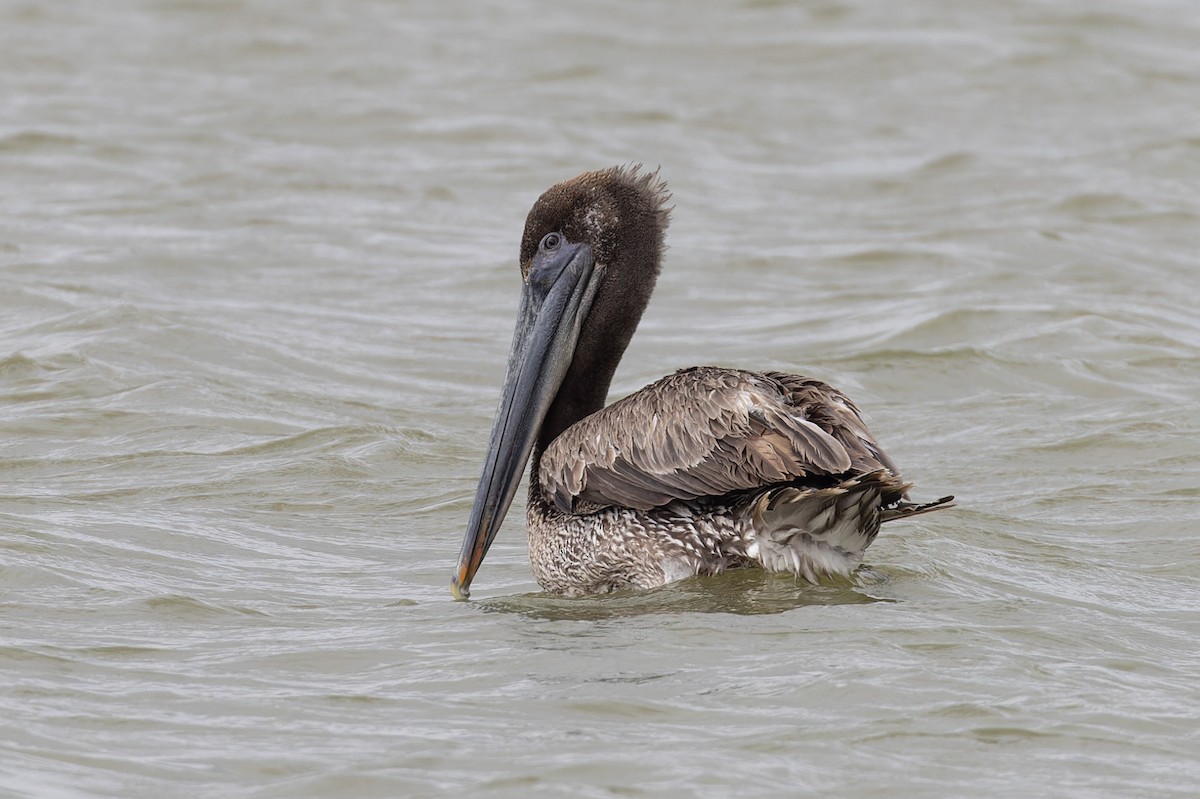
{"x":703,"y":470}
{"x":707,"y":431}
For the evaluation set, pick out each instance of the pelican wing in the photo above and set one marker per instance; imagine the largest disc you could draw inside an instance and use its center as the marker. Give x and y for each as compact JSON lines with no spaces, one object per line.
{"x":706,"y":432}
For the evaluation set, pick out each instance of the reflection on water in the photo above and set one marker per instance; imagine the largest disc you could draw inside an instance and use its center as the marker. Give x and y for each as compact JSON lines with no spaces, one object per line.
{"x":743,"y":592}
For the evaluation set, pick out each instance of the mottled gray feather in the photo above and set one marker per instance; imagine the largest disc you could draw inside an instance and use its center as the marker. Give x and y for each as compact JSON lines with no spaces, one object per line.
{"x":707,"y":431}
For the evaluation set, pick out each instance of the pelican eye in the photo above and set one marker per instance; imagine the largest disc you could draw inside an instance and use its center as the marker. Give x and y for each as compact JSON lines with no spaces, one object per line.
{"x":551,"y":242}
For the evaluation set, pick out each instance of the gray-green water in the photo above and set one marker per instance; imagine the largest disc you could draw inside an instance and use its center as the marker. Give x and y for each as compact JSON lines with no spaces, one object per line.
{"x":257,"y":274}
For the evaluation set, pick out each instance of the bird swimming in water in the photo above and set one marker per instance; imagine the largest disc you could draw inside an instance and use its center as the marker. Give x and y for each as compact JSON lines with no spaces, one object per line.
{"x":705,"y":470}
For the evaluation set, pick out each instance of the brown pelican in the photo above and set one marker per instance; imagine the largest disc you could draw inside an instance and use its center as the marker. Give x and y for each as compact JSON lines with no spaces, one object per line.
{"x":705,"y":470}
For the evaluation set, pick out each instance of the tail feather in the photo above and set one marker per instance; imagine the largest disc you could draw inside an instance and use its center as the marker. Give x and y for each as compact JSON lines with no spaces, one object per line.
{"x":903,"y":510}
{"x":816,"y":532}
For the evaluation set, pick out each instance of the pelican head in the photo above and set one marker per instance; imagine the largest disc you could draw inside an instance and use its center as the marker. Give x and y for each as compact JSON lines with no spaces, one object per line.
{"x":590,"y":257}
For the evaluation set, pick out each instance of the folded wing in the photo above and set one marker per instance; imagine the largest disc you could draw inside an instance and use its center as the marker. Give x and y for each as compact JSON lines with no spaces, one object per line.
{"x":708,"y":432}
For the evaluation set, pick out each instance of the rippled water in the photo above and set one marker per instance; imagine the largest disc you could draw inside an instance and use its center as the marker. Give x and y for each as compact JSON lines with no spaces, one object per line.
{"x":258,"y":279}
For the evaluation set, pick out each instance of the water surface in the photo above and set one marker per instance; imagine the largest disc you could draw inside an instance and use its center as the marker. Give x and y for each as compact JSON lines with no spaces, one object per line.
{"x":257,"y":279}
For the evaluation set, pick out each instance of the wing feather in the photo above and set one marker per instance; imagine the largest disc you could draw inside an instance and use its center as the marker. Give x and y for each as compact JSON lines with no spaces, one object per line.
{"x":707,"y":432}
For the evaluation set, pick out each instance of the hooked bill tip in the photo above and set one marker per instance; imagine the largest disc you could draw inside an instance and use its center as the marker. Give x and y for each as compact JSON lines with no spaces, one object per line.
{"x":459,"y":593}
